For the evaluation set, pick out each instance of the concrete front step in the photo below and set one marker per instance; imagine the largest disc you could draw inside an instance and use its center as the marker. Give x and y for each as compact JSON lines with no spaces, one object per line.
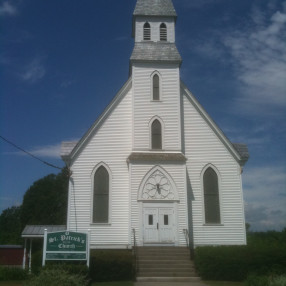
{"x":168,"y":279}
{"x":167,"y":263}
{"x":167,"y":274}
{"x":160,"y":265}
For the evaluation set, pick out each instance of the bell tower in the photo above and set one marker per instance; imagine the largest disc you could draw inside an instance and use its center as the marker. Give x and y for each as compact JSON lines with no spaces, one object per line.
{"x":154,"y":67}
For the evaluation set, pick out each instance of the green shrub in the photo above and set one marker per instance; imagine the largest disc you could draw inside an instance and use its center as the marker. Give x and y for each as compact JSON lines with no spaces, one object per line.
{"x":57,"y":277}
{"x":111,"y":265}
{"x":71,"y":267}
{"x":37,"y":261}
{"x":254,"y":280}
{"x":235,"y":263}
{"x":278,"y":281}
{"x":12,"y":273}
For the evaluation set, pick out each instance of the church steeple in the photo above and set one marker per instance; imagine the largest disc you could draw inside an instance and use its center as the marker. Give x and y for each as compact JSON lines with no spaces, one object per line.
{"x":154,"y":32}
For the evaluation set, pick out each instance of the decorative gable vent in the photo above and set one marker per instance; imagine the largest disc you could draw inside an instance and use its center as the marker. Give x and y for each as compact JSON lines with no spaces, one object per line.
{"x":157,"y":185}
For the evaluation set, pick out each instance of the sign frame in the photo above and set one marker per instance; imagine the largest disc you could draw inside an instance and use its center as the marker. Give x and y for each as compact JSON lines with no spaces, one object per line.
{"x":66,"y":245}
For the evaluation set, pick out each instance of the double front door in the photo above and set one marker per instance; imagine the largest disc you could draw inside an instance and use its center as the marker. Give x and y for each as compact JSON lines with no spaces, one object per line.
{"x":158,"y":225}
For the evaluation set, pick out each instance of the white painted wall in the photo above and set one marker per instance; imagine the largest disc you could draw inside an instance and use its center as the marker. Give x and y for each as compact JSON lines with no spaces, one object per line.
{"x":155,"y":28}
{"x":203,"y":147}
{"x":112,"y":145}
{"x":167,"y":109}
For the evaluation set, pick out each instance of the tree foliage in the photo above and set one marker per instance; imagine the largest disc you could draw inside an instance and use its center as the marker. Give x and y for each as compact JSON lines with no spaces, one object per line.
{"x":10,"y":226}
{"x":45,"y":202}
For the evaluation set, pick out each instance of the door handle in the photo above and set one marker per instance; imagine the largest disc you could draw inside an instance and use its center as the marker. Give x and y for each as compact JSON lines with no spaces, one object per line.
{"x":157,"y":225}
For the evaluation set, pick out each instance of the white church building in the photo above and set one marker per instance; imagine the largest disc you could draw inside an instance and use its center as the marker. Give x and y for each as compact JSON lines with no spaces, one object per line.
{"x":154,"y":163}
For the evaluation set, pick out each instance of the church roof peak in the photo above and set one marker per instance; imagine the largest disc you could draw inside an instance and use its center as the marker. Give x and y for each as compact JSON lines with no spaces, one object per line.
{"x":154,"y":8}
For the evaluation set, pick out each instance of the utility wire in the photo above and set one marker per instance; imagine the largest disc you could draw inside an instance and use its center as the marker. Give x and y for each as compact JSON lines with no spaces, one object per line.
{"x":28,"y":153}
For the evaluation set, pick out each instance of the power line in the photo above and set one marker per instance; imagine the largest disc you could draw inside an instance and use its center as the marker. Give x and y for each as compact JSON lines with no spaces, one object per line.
{"x":28,"y":153}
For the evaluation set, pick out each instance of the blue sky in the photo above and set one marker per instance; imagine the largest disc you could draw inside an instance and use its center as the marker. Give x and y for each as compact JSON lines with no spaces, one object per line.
{"x":62,"y":62}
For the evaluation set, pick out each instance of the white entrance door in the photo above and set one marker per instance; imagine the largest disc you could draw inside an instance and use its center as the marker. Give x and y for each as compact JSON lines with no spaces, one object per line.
{"x":158,"y":224}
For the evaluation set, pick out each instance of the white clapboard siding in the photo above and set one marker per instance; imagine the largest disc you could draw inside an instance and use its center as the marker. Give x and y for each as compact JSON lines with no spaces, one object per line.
{"x":203,"y":147}
{"x":155,"y":28}
{"x":178,"y":174}
{"x":167,"y":109}
{"x":111,"y":144}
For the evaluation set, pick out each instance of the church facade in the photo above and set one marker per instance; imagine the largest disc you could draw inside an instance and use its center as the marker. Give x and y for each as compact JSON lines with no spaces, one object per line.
{"x":154,"y":164}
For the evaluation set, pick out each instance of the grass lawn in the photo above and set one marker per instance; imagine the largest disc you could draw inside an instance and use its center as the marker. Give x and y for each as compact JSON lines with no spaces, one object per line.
{"x":122,"y":283}
{"x":11,"y":283}
{"x":223,"y":283}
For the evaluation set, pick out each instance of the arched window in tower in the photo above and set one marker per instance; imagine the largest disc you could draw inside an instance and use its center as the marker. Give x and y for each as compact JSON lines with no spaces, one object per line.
{"x":101,"y":196}
{"x":147,"y":32}
{"x":211,"y":196}
{"x":156,"y":135}
{"x":156,"y":87}
{"x":163,"y":32}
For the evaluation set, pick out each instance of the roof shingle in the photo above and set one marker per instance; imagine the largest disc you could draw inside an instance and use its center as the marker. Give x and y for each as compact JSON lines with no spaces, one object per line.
{"x":150,"y":51}
{"x":154,"y":8}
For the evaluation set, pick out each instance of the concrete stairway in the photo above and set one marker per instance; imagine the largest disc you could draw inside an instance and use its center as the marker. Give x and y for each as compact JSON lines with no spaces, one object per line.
{"x":165,"y":264}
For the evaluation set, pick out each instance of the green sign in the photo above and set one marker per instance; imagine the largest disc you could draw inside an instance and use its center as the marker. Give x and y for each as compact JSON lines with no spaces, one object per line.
{"x":66,"y":241}
{"x":66,"y":256}
{"x":66,"y":245}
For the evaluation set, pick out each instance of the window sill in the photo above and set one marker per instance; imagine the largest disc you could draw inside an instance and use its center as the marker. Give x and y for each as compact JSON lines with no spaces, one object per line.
{"x":213,"y":224}
{"x":100,"y":224}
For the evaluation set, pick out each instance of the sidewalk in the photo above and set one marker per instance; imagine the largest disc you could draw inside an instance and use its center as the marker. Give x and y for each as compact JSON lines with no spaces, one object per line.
{"x":194,"y":283}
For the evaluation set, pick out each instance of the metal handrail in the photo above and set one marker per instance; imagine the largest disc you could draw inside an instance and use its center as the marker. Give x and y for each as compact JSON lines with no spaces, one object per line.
{"x":135,"y":256}
{"x":187,"y":237}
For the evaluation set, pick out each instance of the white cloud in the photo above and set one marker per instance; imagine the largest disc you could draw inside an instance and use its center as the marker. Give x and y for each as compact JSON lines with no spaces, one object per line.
{"x":7,"y":9}
{"x":265,"y":196}
{"x":47,"y":151}
{"x":259,"y":59}
{"x":34,"y":71}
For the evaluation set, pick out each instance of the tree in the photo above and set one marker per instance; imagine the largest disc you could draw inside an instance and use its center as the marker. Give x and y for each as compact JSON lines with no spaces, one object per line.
{"x":10,"y":226}
{"x":45,"y":202}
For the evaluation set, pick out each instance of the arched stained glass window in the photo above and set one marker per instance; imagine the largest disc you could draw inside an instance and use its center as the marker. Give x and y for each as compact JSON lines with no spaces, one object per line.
{"x":101,"y":196}
{"x":147,"y":32}
{"x":163,"y":32}
{"x":156,"y":87}
{"x":211,"y":196}
{"x":156,"y":133}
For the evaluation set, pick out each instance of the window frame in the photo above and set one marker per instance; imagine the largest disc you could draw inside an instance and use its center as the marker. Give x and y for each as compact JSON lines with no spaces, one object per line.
{"x":146,"y":31}
{"x":163,"y":32}
{"x":207,"y":223}
{"x":108,"y":222}
{"x":151,"y":133}
{"x":152,"y":86}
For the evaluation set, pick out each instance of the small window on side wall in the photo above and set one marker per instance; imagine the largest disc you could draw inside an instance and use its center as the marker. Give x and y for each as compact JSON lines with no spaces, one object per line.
{"x":156,"y":135}
{"x":211,"y":197}
{"x":163,"y":32}
{"x":147,"y":32}
{"x":101,"y":196}
{"x":156,"y":87}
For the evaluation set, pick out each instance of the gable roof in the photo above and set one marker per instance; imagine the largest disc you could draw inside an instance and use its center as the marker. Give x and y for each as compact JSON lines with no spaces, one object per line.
{"x":238,"y":150}
{"x":39,"y":230}
{"x":70,"y":150}
{"x":150,"y":51}
{"x":154,"y":8}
